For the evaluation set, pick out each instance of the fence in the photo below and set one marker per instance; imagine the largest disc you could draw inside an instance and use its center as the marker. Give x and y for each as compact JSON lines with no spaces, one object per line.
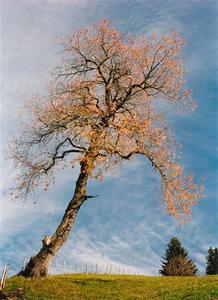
{"x":87,"y":268}
{"x":3,"y":277}
{"x":63,"y":267}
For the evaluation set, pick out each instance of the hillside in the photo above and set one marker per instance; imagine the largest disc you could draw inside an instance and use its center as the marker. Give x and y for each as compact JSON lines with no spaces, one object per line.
{"x":116,"y":287}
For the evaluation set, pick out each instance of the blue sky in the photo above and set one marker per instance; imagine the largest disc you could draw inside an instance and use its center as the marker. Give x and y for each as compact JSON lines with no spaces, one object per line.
{"x":127,"y":225}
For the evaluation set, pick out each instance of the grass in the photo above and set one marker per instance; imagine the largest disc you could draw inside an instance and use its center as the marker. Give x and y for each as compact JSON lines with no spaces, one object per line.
{"x":116,"y":287}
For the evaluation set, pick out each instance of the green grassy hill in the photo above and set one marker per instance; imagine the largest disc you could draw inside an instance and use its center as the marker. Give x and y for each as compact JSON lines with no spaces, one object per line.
{"x":114,"y":287}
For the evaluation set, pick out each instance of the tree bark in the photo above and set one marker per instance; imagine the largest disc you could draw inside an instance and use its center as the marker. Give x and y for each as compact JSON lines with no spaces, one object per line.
{"x":38,"y":265}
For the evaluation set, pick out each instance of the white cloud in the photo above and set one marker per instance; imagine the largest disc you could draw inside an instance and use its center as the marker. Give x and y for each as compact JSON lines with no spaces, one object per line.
{"x":83,"y":250}
{"x":126,"y":225}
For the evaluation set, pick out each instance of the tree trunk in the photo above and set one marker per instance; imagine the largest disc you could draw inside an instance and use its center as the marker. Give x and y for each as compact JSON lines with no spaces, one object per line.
{"x":38,"y":265}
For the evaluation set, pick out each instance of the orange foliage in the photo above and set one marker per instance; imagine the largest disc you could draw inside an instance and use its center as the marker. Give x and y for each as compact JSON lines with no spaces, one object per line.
{"x":102,"y":109}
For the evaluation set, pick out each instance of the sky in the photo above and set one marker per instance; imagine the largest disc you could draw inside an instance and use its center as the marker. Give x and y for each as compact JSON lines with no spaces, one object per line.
{"x":126,"y":225}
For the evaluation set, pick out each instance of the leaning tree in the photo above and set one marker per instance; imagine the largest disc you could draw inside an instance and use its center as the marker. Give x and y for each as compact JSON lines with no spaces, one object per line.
{"x":102,"y":108}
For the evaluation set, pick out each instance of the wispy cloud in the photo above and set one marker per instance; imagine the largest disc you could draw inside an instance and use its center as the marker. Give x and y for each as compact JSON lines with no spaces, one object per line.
{"x":127,"y":224}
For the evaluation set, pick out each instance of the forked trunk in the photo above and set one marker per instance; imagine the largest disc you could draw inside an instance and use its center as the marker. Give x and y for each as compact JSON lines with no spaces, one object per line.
{"x":38,"y":265}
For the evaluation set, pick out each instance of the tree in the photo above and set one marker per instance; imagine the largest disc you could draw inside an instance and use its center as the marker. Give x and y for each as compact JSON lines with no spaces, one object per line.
{"x":180,"y":266}
{"x":100,"y":110}
{"x":176,"y":260}
{"x":212,"y":261}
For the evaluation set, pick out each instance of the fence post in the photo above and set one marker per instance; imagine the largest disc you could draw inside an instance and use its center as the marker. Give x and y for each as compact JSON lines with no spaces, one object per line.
{"x":55,"y":267}
{"x":107,"y":269}
{"x":3,"y":279}
{"x":110,"y":269}
{"x":64,"y":267}
{"x":5,"y":276}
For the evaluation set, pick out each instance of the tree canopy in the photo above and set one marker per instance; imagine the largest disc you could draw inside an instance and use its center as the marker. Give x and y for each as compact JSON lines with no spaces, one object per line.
{"x":101,"y":109}
{"x":212,"y":261}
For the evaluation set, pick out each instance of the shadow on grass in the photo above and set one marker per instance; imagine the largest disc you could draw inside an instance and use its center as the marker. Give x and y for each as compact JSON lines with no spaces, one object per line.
{"x":90,"y":280}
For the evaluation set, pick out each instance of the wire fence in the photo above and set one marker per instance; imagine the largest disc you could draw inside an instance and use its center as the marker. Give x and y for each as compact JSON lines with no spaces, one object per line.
{"x":64,"y":267}
{"x":89,"y":268}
